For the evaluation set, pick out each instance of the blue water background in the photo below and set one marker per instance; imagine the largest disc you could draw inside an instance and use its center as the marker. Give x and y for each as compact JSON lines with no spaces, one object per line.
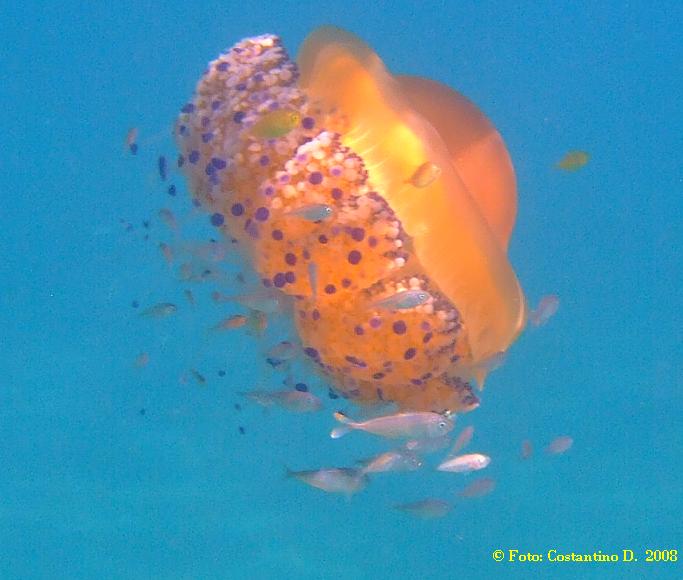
{"x":90,"y":488}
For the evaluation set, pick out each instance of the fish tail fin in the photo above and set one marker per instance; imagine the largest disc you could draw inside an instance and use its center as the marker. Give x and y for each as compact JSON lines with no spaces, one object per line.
{"x":338,"y":432}
{"x":347,"y":425}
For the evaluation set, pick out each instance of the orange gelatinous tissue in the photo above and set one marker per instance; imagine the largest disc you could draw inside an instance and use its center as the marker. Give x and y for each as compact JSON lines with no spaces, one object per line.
{"x":324,"y":201}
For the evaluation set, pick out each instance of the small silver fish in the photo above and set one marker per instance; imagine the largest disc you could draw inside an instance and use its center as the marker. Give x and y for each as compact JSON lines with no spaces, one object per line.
{"x":296,"y":401}
{"x":465,"y":463}
{"x":403,"y":300}
{"x":425,"y":175}
{"x":268,"y":300}
{"x":230,"y":323}
{"x":559,"y":445}
{"x":426,"y":509}
{"x":161,"y":310}
{"x":166,"y":216}
{"x":166,"y":251}
{"x":399,"y":460}
{"x":546,"y":309}
{"x":313,"y":279}
{"x":141,"y":360}
{"x":408,"y":425}
{"x":478,"y":488}
{"x":345,"y":480}
{"x":462,"y":441}
{"x":315,"y":212}
{"x":526,"y":450}
{"x":283,"y":351}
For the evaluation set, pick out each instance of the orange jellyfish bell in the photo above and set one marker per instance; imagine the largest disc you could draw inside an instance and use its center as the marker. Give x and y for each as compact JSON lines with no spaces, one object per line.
{"x":460,"y":235}
{"x":381,"y":205}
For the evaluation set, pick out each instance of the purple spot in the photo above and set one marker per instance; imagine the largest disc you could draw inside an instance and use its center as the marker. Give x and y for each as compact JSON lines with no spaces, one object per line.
{"x":330,"y":289}
{"x":426,"y":338}
{"x":209,"y":169}
{"x":181,"y":161}
{"x":193,"y":157}
{"x":261,"y":214}
{"x":279,"y":280}
{"x":188,"y":108}
{"x":301,"y":387}
{"x":241,"y":86}
{"x":356,"y":361}
{"x":290,"y":259}
{"x":218,"y":163}
{"x":410,"y":353}
{"x":372,"y":241}
{"x":171,"y":190}
{"x":263,"y":161}
{"x":322,"y":238}
{"x":359,"y":330}
{"x":310,"y":351}
{"x":337,"y":193}
{"x":206,"y":137}
{"x":277,"y":235}
{"x":266,"y":282}
{"x":284,"y":178}
{"x":375,"y":322}
{"x":416,"y":382}
{"x":238,"y":117}
{"x":217,"y":219}
{"x":306,"y":254}
{"x":290,"y":278}
{"x":358,"y":234}
{"x":270,"y":190}
{"x":237,"y":209}
{"x":315,"y":314}
{"x":205,"y":122}
{"x":308,"y":123}
{"x":378,"y":376}
{"x":216,"y":105}
{"x":222,"y":66}
{"x":424,"y":325}
{"x":399,"y":327}
{"x":346,"y":282}
{"x":316,"y":178}
{"x":354,"y":257}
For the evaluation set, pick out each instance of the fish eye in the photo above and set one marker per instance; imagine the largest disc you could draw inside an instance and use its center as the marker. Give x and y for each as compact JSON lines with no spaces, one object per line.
{"x":442,"y":424}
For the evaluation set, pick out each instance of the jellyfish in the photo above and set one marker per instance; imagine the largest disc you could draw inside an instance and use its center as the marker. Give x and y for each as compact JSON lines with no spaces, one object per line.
{"x":419,"y":195}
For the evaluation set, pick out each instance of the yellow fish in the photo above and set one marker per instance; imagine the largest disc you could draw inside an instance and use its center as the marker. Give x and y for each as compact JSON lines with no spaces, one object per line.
{"x":573,"y":160}
{"x":275,"y":124}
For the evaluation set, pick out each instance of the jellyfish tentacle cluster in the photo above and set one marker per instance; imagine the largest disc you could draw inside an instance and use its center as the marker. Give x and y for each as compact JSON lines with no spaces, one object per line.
{"x":275,"y":166}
